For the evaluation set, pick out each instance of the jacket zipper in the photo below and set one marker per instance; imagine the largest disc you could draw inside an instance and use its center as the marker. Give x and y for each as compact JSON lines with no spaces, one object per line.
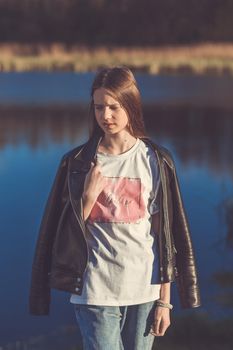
{"x":62,"y":215}
{"x":160,"y":242}
{"x":164,"y":187}
{"x":166,"y":216}
{"x":88,"y":254}
{"x":81,"y":223}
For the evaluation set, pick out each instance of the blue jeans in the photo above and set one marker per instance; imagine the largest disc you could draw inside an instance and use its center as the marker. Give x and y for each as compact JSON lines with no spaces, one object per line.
{"x":116,"y":327}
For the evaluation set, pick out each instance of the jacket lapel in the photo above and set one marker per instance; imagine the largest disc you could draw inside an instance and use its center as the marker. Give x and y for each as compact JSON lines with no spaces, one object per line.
{"x":79,"y":164}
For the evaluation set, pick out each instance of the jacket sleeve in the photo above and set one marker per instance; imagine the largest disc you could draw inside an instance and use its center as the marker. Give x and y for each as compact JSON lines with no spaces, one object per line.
{"x":187,"y":279}
{"x":39,"y":297}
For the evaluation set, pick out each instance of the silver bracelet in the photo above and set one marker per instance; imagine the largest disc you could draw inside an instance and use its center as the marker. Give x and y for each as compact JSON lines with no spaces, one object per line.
{"x":162,"y":304}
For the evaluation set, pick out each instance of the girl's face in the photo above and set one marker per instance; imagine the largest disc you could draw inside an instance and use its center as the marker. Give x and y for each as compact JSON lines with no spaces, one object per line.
{"x":109,"y":114}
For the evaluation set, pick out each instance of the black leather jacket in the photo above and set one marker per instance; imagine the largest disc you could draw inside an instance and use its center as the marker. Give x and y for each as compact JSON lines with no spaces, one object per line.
{"x":61,"y":253}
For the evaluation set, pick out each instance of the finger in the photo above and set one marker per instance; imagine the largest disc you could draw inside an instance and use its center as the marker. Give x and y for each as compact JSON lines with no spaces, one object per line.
{"x":96,"y":160}
{"x":92,"y":166}
{"x":157,"y":325}
{"x":89,"y":172}
{"x":163,"y":326}
{"x":96,"y":170}
{"x":152,"y":332}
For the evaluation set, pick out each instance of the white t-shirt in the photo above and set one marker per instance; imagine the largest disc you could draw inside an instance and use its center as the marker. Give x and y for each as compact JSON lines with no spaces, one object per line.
{"x":123,"y":260}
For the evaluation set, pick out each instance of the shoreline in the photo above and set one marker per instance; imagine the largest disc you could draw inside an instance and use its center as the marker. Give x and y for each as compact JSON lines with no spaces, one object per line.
{"x":199,"y":59}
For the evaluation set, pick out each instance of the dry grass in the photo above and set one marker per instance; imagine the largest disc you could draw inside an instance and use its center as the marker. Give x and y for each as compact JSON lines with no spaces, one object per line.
{"x":197,"y":59}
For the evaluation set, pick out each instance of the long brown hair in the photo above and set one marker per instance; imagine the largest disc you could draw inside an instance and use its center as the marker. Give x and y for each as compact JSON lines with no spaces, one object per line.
{"x":120,"y":83}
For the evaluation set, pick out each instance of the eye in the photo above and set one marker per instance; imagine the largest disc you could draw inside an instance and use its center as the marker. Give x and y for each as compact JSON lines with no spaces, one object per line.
{"x":99,"y":108}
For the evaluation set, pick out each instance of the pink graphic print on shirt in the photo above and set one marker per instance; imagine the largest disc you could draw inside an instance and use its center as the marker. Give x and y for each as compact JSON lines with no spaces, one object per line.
{"x":121,"y":201}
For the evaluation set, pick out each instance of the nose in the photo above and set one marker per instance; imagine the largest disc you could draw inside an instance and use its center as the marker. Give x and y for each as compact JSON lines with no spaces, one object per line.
{"x":106,"y":113}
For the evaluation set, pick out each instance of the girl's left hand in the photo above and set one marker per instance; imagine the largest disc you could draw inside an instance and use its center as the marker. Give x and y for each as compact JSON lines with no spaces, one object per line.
{"x":161,"y":321}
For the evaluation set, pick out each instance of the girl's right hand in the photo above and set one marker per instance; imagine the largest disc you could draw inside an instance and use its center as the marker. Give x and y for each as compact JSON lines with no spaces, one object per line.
{"x":94,"y":183}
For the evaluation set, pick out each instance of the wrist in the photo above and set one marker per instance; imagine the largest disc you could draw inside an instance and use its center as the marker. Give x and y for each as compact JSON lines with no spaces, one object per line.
{"x":165,"y":292}
{"x":161,"y":303}
{"x":165,"y":298}
{"x":165,"y":301}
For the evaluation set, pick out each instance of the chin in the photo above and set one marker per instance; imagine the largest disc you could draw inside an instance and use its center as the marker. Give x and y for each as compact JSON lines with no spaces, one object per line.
{"x":111,"y":132}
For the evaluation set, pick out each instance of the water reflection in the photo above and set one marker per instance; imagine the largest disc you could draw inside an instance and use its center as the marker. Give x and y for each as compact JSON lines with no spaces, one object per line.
{"x":228,"y":208}
{"x":199,"y":135}
{"x":39,"y":127}
{"x":224,"y":279}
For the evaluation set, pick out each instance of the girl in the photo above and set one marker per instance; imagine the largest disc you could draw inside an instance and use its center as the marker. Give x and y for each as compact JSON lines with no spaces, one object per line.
{"x":114,"y":232}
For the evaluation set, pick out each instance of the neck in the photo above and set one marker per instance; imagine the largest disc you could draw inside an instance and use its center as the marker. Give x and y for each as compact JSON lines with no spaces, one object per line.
{"x":117,"y":143}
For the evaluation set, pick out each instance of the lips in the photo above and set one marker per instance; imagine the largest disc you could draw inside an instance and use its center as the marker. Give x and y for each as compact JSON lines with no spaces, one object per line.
{"x":108,"y":124}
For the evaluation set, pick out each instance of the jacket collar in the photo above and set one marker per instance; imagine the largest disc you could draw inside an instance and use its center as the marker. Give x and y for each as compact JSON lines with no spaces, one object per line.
{"x":87,"y":153}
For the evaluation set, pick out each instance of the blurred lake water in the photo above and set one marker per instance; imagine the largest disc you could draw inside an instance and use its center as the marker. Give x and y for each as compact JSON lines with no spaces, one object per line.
{"x":42,"y":116}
